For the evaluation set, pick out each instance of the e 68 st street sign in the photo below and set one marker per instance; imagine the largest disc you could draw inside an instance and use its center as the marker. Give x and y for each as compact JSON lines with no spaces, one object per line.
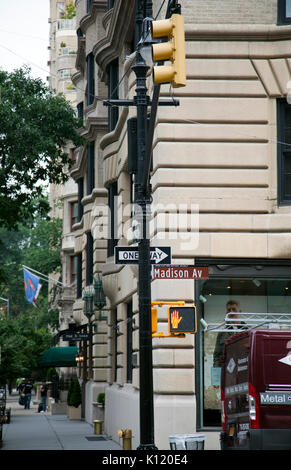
{"x":129,"y":255}
{"x":76,"y":336}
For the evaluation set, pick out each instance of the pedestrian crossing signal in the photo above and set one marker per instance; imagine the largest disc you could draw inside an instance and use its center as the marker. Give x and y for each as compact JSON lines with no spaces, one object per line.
{"x":182,"y":319}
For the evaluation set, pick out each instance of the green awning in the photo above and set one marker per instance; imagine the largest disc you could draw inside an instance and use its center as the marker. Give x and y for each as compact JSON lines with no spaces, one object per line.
{"x":59,"y":357}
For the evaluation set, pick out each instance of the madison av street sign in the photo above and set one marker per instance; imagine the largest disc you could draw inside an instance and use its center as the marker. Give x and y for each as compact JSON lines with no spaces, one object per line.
{"x":129,"y":255}
{"x":180,"y":272}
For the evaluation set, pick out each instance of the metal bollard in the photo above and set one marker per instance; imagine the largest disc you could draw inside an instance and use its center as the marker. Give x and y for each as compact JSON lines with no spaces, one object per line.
{"x":98,"y":426}
{"x":126,"y":435}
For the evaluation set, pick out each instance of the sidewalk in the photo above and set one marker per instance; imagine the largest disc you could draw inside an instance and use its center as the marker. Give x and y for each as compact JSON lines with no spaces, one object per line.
{"x":30,"y":430}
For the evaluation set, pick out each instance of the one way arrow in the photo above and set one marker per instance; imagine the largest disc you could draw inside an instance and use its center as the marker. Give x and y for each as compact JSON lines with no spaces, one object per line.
{"x":158,"y":255}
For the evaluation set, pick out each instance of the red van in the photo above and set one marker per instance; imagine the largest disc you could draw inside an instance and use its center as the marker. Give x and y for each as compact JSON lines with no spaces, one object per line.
{"x":256,"y":391}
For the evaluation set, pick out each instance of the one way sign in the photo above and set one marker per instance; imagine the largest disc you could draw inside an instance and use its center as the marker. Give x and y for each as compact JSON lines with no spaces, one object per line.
{"x":129,"y":255}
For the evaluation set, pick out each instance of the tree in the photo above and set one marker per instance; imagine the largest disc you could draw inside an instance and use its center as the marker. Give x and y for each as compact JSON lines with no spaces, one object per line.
{"x":69,"y":11}
{"x":21,"y":343}
{"x":35,"y":126}
{"x":38,"y":247}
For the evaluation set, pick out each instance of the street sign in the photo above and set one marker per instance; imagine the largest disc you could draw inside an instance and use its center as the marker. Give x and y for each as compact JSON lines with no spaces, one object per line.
{"x":182,"y":319}
{"x":76,"y":336}
{"x":180,"y":272}
{"x":129,"y":255}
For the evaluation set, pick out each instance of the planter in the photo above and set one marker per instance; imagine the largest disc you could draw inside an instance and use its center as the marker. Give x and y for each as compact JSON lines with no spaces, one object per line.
{"x":98,"y":410}
{"x":74,"y":413}
{"x":58,"y":408}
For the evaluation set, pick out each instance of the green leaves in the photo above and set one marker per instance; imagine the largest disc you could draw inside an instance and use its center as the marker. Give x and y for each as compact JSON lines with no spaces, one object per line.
{"x":35,"y":126}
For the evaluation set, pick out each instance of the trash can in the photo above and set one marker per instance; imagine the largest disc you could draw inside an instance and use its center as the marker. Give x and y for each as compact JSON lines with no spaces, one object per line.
{"x":187,"y":442}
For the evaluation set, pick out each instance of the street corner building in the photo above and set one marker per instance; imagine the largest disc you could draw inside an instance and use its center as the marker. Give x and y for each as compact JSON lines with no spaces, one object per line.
{"x":220,"y":197}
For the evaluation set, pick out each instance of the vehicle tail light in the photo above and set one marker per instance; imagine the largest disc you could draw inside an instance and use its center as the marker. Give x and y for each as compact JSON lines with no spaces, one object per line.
{"x":223,"y":417}
{"x":254,"y":407}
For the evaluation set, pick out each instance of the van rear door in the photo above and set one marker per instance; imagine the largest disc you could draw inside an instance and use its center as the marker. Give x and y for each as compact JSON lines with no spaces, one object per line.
{"x":235,"y":378}
{"x":271,"y":376}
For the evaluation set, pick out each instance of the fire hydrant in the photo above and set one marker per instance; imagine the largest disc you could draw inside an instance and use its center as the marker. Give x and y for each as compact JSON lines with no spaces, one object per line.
{"x":126,"y":435}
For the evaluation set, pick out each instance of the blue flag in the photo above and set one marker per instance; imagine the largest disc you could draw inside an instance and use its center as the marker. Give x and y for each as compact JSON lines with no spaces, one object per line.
{"x":31,"y":286}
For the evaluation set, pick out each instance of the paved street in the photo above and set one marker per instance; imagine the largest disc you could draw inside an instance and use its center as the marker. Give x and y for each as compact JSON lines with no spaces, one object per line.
{"x":30,"y":430}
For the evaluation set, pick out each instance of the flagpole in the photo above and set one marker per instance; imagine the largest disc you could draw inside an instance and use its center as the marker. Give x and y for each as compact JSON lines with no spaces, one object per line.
{"x":44,"y":278}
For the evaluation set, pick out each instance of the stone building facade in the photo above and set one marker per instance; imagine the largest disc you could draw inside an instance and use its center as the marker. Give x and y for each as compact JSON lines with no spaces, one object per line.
{"x":63,"y":198}
{"x":221,"y":197}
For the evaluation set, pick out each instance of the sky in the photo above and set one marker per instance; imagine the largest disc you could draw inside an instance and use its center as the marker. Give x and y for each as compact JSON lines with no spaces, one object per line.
{"x":24,"y":36}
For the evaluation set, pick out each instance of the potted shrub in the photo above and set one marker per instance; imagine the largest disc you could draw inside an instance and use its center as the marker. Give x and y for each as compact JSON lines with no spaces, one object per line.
{"x":74,"y":400}
{"x":101,"y":400}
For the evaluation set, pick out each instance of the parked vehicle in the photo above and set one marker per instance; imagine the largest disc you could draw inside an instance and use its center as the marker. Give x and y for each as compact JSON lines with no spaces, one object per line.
{"x":256,"y":391}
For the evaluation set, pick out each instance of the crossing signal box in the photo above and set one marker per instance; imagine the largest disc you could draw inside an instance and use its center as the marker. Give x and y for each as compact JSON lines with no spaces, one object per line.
{"x":173,"y":50}
{"x":182,"y":319}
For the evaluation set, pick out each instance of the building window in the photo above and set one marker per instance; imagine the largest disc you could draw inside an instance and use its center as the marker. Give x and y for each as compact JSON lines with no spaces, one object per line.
{"x":80,"y":197}
{"x":89,"y":260}
{"x":60,"y":9}
{"x":80,"y":110}
{"x":257,"y":286}
{"x":110,"y":4}
{"x":73,"y":154}
{"x":90,"y":168}
{"x":73,"y":269}
{"x":90,"y":87}
{"x":79,"y":275}
{"x":74,"y":213}
{"x":112,"y":71}
{"x":64,"y":73}
{"x":284,"y":151}
{"x":112,"y":226}
{"x":284,"y":11}
{"x":129,"y":364}
{"x":89,"y":3}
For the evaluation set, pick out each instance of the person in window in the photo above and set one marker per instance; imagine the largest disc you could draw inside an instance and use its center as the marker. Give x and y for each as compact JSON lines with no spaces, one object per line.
{"x":231,"y":306}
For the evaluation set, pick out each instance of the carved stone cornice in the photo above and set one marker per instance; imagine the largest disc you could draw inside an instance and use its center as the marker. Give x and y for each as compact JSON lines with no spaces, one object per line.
{"x":120,"y":29}
{"x":81,"y":55}
{"x":94,"y":125}
{"x":97,"y":6}
{"x":239,"y":32}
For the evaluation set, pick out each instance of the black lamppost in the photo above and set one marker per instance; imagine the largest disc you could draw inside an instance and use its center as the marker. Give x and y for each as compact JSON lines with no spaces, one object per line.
{"x":88,"y":296}
{"x":99,"y":297}
{"x":143,"y":200}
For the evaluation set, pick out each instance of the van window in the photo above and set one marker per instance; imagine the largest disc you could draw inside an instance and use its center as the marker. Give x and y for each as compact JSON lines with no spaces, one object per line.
{"x":254,"y":295}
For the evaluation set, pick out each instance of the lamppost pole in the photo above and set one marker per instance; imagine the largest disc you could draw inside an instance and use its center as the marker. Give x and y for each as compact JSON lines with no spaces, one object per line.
{"x":143,"y":200}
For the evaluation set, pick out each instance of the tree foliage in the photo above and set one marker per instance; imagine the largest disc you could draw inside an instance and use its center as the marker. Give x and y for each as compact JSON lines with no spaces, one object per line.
{"x":69,"y":11}
{"x":35,"y":126}
{"x":25,"y":332}
{"x":21,"y":346}
{"x":37,"y":247}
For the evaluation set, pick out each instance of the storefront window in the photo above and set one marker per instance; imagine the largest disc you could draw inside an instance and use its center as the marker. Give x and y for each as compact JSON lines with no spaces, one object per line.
{"x":253,"y":295}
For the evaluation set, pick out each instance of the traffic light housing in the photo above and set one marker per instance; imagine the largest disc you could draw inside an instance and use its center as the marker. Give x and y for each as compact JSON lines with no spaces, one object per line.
{"x":173,"y":50}
{"x":154,"y":311}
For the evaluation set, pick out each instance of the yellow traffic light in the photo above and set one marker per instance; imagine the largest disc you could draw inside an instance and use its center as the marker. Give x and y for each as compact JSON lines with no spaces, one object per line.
{"x":173,"y":50}
{"x":154,"y":319}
